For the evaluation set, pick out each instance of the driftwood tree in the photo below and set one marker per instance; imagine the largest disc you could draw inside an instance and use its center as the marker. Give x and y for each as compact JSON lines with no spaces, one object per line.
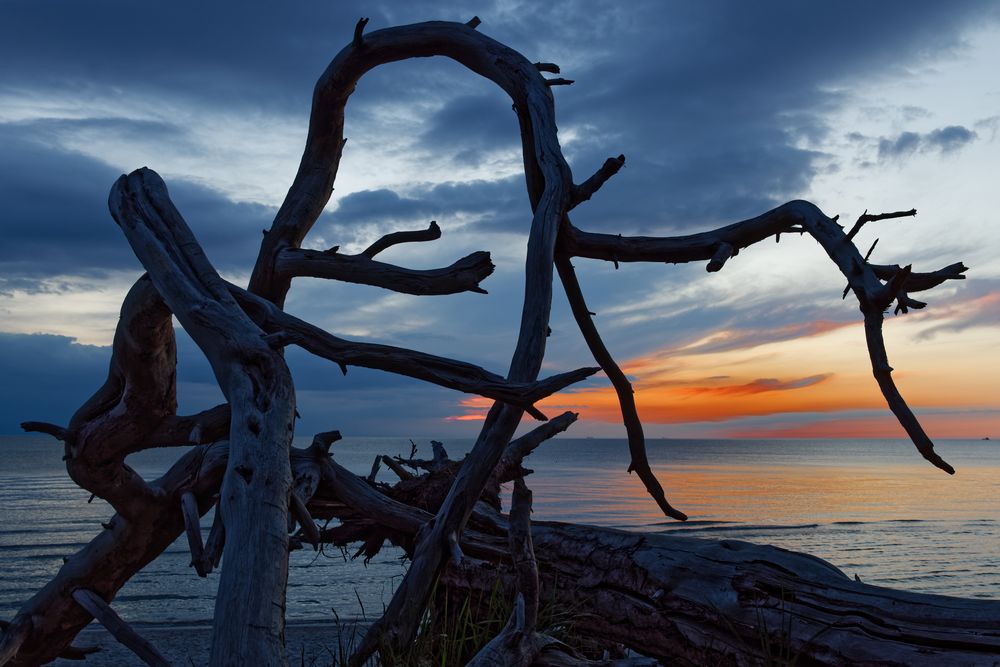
{"x":660,"y":595}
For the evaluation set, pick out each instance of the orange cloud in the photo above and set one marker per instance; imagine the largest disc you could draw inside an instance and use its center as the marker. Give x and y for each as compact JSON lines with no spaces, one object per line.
{"x":476,"y":408}
{"x":812,"y":367}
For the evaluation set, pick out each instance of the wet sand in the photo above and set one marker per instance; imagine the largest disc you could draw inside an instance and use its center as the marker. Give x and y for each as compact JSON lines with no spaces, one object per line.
{"x":308,"y":645}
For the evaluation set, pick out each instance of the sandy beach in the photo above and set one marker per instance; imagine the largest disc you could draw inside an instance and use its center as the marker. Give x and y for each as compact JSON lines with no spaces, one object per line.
{"x":308,"y":645}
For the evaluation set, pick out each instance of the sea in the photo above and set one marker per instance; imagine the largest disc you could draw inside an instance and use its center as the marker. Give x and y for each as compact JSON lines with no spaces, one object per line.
{"x":873,"y":508}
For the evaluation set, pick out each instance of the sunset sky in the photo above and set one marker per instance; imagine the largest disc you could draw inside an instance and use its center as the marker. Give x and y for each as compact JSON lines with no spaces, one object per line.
{"x":723,"y":110}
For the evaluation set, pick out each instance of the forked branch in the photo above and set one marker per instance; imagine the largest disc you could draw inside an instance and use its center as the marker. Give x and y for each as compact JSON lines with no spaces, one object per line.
{"x":864,"y":279}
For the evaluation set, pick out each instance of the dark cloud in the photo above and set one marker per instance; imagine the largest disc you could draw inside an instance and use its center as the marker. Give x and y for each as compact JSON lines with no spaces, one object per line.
{"x":46,"y":378}
{"x":493,"y":206}
{"x":944,"y":140}
{"x":710,"y":103}
{"x":469,"y":128}
{"x":951,"y":138}
{"x":55,"y":216}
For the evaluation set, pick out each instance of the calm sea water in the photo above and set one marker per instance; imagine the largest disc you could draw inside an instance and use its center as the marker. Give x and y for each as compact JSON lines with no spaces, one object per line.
{"x":871,"y":507}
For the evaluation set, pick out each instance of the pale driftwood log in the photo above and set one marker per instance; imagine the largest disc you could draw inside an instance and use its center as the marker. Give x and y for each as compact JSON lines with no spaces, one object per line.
{"x":249,"y":614}
{"x":119,"y":629}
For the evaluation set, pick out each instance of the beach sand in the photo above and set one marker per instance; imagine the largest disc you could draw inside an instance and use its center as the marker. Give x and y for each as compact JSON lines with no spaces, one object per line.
{"x":309,"y":645}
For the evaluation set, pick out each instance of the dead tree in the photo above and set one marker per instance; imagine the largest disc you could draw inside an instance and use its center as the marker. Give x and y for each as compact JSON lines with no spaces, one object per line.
{"x":244,"y":459}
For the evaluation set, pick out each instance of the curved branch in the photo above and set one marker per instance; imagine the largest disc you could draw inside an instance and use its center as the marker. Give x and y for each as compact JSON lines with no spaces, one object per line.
{"x":249,"y":619}
{"x":549,"y":182}
{"x":623,"y":388}
{"x":313,"y":184}
{"x":462,"y":276}
{"x":433,"y":232}
{"x":56,"y":431}
{"x":918,"y":282}
{"x":514,"y":454}
{"x":864,"y":279}
{"x":109,"y":560}
{"x":437,"y":370}
{"x":681,"y":249}
{"x":584,"y":191}
{"x":882,"y":372}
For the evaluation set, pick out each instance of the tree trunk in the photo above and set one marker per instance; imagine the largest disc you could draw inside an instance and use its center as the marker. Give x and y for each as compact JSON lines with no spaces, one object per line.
{"x":694,"y":601}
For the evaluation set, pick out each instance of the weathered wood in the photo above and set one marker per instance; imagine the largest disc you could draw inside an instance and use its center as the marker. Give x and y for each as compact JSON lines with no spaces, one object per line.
{"x":518,"y":644}
{"x":867,"y":217}
{"x":249,"y":613}
{"x":430,"y":368}
{"x":242,"y":333}
{"x":212,"y":554}
{"x":309,"y":529}
{"x":695,"y":601}
{"x":432,"y":233}
{"x":873,"y":296}
{"x":400,"y":471}
{"x":113,"y":556}
{"x":192,"y":527}
{"x":621,"y":384}
{"x":12,"y":637}
{"x":514,"y":454}
{"x":462,"y":276}
{"x":119,"y":629}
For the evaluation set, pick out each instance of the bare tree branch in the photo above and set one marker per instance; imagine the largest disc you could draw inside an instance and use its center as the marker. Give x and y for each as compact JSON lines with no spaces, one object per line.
{"x":432,"y":233}
{"x":866,"y":218}
{"x":623,"y":388}
{"x":249,"y":617}
{"x":462,"y":276}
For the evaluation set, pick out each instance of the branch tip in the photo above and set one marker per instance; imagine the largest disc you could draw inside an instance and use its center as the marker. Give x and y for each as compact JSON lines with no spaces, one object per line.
{"x":359,"y":29}
{"x":722,"y":254}
{"x":56,"y":431}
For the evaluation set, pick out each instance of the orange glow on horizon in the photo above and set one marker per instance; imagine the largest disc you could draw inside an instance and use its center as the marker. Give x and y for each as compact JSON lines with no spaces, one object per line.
{"x":945,"y":361}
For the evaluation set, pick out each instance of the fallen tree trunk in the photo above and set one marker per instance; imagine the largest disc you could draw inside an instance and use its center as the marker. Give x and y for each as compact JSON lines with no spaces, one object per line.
{"x":728,"y":602}
{"x":674,"y":598}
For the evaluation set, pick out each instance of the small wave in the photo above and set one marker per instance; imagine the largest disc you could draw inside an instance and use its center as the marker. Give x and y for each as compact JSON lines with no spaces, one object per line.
{"x":749,"y":528}
{"x":162,"y":596}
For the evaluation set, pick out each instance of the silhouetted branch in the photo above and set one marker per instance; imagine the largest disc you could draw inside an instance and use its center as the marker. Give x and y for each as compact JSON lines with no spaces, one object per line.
{"x":866,"y":218}
{"x":462,"y":276}
{"x":432,"y":233}
{"x":623,"y":388}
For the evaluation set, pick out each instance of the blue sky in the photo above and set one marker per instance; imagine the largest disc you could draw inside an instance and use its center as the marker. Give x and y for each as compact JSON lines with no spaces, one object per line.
{"x":723,"y":110}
